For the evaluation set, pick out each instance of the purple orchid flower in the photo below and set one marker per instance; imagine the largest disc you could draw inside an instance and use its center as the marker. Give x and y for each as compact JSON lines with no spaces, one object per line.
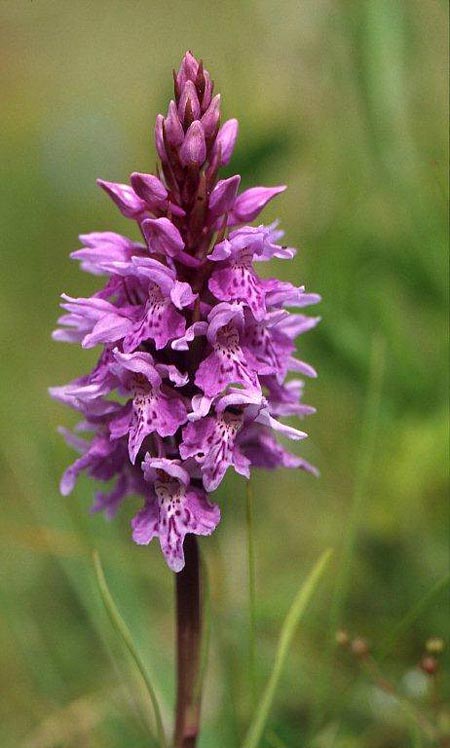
{"x":173,"y":508}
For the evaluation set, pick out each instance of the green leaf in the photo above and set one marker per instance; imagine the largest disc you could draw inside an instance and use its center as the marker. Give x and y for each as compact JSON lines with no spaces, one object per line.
{"x":290,"y":624}
{"x":124,"y":633}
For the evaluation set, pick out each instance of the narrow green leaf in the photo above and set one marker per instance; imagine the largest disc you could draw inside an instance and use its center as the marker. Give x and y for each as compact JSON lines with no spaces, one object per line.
{"x":291,"y":621}
{"x":124,"y":633}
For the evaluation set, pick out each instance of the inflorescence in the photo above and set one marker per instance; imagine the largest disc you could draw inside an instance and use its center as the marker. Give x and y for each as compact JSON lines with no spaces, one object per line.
{"x":196,"y":345}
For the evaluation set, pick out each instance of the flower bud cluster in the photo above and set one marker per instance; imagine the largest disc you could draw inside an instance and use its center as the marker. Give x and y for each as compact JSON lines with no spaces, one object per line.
{"x":195,"y":345}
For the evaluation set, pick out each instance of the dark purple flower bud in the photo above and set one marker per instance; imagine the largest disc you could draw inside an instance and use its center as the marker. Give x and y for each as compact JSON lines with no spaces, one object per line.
{"x":223,"y":195}
{"x":189,"y":105}
{"x":210,"y":119}
{"x":172,"y":126}
{"x":149,"y":188}
{"x":226,"y":138}
{"x":124,"y":197}
{"x":251,"y":202}
{"x":193,"y":150}
{"x":204,"y":86}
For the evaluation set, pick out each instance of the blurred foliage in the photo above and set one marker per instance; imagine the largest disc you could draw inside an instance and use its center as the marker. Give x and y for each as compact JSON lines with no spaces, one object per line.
{"x":345,"y":102}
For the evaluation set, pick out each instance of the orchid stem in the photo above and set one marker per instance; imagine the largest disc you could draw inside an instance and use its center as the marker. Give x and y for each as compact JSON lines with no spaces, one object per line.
{"x":188,"y":639}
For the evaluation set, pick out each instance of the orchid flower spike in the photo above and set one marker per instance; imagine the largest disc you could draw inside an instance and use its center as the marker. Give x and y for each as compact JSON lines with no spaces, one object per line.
{"x":195,"y":347}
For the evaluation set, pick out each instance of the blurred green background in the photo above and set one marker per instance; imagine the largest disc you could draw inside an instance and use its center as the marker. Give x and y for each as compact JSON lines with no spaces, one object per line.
{"x":345,"y":101}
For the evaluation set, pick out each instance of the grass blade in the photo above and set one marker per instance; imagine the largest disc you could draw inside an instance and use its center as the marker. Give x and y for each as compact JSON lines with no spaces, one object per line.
{"x":291,"y":621}
{"x":124,"y":633}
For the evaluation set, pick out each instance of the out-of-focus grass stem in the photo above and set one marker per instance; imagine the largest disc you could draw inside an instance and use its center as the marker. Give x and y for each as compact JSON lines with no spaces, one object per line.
{"x":413,"y":614}
{"x":368,"y":442}
{"x":251,"y":592}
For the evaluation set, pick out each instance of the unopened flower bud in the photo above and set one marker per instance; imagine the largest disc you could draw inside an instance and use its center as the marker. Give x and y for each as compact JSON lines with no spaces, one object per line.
{"x":149,"y":188}
{"x":162,"y":236}
{"x":189,"y":105}
{"x":159,"y":138}
{"x":226,"y":138}
{"x":204,"y":86}
{"x":252,"y":201}
{"x":172,"y":127}
{"x":207,"y":96}
{"x":223,"y":195}
{"x":193,"y":150}
{"x":125,"y":198}
{"x":210,"y":119}
{"x":187,"y":70}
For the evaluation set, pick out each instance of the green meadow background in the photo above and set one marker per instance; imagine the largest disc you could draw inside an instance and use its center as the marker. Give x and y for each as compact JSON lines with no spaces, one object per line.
{"x":345,"y":101}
